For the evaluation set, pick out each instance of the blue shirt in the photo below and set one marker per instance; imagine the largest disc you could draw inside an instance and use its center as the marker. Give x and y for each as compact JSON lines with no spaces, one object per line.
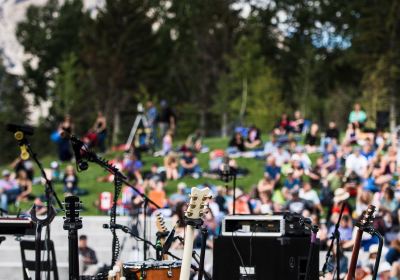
{"x":291,"y":184}
{"x":273,"y":171}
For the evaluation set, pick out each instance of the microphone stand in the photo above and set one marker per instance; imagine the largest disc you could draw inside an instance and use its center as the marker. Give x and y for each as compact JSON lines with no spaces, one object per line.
{"x":204,"y":236}
{"x":93,"y":157}
{"x":335,"y":237}
{"x":313,"y":253}
{"x":227,"y":174}
{"x":50,"y":214}
{"x":371,"y":230}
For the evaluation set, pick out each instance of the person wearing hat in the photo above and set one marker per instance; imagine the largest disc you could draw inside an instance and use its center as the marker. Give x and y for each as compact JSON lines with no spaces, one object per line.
{"x":340,"y":197}
{"x":242,"y":203}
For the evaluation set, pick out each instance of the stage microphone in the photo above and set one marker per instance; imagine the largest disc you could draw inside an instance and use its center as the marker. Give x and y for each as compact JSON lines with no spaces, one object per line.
{"x":116,"y":226}
{"x":81,"y":165}
{"x":19,"y":134}
{"x":168,"y":241}
{"x":225,"y":170}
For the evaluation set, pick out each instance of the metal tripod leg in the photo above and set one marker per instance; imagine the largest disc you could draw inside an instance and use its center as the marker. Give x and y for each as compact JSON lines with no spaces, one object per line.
{"x":133,"y":131}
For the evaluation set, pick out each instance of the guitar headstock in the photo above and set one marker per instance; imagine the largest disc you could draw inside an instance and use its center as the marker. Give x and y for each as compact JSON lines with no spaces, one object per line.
{"x":198,"y":200}
{"x":367,"y":217}
{"x":72,"y":208}
{"x":160,"y":223}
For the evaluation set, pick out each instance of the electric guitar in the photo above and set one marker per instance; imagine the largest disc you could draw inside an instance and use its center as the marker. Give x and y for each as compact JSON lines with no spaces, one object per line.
{"x":193,"y":215}
{"x":364,"y":222}
{"x":72,"y":223}
{"x":162,"y":233}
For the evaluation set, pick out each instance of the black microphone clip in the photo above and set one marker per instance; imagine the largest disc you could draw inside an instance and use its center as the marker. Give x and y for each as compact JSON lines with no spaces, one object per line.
{"x":20,"y":131}
{"x":81,"y":164}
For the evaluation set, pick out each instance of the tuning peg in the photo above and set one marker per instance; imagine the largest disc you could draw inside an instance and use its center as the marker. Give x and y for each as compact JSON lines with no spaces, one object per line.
{"x":192,"y":206}
{"x":194,"y":197}
{"x":189,"y":213}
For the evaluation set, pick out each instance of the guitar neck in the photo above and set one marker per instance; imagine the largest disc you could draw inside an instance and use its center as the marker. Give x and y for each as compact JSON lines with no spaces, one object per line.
{"x":73,"y":255}
{"x":354,"y":256}
{"x":187,"y":253}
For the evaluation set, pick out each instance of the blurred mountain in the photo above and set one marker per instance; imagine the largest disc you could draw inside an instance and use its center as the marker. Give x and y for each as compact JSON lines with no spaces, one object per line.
{"x":12,"y":12}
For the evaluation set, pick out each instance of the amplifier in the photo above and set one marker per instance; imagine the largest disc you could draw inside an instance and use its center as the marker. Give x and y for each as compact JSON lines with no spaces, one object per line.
{"x":253,"y":225}
{"x":263,"y":258}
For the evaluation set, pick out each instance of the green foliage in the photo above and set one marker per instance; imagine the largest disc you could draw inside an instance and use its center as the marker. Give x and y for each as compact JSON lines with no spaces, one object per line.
{"x":265,"y":101}
{"x":250,"y":88}
{"x":219,"y":67}
{"x":48,"y":34}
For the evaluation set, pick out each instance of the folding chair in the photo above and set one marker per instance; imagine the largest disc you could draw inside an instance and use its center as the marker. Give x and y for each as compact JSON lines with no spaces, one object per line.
{"x":27,"y":245}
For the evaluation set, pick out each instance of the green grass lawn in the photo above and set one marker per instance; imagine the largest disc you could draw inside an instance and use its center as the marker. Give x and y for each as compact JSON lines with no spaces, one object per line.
{"x":88,"y":178}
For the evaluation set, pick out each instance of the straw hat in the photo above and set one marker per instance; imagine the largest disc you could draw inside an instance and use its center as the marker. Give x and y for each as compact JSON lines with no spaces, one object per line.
{"x":340,"y":195}
{"x":373,"y":249}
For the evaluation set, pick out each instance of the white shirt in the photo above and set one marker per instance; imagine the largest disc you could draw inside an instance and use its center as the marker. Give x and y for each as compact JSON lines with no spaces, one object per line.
{"x":310,"y":195}
{"x":358,"y":164}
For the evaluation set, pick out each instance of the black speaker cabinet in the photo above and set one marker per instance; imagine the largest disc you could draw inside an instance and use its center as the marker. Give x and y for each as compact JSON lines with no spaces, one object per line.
{"x":262,"y":258}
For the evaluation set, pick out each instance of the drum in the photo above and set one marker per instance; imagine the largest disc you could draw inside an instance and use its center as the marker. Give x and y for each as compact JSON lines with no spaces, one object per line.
{"x":152,"y":270}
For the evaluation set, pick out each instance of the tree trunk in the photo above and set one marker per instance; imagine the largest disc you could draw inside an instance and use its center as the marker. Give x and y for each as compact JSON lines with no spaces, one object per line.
{"x":203,"y":121}
{"x":392,"y":112}
{"x":244,"y":101}
{"x":224,"y":124}
{"x":116,"y":127}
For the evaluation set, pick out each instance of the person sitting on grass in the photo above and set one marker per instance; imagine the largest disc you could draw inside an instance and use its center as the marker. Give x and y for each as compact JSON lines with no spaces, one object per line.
{"x":70,"y":180}
{"x":273,"y":171}
{"x":194,"y":141}
{"x":132,"y":166}
{"x":297,"y":123}
{"x":158,"y":195}
{"x":307,"y":193}
{"x":25,"y":187}
{"x":236,"y":144}
{"x":8,"y":190}
{"x":154,"y":176}
{"x":291,"y":183}
{"x":189,"y":165}
{"x":312,"y":139}
{"x":171,"y":166}
{"x":253,"y":138}
{"x":179,"y":196}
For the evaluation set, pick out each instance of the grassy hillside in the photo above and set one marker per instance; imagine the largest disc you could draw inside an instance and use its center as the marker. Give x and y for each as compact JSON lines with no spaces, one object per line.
{"x":89,"y":183}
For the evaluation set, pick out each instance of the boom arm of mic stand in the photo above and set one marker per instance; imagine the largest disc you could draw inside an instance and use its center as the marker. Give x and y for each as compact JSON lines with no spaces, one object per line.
{"x":92,"y":157}
{"x":49,"y":185}
{"x":335,"y":236}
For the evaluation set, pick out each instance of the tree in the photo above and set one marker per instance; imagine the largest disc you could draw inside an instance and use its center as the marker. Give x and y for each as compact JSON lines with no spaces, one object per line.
{"x":249,"y":90}
{"x":118,"y":52}
{"x":48,"y":34}
{"x":203,"y":33}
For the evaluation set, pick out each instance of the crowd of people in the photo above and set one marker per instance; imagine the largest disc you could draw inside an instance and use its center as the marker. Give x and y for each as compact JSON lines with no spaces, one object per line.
{"x":308,"y":169}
